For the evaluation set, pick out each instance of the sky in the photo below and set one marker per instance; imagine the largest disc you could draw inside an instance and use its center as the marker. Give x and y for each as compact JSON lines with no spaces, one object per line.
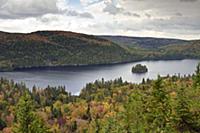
{"x":152,"y":18}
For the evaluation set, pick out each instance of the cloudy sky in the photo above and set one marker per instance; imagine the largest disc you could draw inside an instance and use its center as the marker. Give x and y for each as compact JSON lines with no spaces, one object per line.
{"x":155,"y":18}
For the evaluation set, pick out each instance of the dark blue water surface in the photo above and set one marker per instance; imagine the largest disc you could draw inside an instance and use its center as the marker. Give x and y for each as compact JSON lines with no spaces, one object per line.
{"x":75,"y":78}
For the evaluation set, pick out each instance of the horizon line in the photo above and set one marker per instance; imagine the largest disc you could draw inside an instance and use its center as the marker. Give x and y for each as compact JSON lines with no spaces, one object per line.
{"x":111,"y":35}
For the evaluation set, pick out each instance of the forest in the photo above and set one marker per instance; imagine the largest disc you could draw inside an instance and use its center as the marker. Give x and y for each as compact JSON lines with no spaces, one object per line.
{"x":44,"y":49}
{"x":139,"y":69}
{"x":167,"y":104}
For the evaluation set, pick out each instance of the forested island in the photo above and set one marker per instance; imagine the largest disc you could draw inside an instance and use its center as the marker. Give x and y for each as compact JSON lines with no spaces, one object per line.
{"x":43,"y":49}
{"x":168,"y":104}
{"x":139,"y":69}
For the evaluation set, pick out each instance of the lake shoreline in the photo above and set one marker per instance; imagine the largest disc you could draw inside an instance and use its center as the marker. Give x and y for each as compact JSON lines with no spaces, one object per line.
{"x":64,"y":67}
{"x":75,"y":78}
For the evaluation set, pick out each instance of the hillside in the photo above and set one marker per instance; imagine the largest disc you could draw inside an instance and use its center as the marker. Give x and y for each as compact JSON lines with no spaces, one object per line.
{"x":143,"y":42}
{"x":56,"y":48}
{"x":59,"y":48}
{"x":185,"y":51}
{"x":148,"y":48}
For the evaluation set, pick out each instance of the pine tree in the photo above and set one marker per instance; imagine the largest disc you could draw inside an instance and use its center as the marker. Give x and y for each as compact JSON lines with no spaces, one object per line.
{"x":133,"y":114}
{"x":197,"y":77}
{"x":158,"y":110}
{"x":26,"y":120}
{"x":195,"y":102}
{"x":183,"y":118}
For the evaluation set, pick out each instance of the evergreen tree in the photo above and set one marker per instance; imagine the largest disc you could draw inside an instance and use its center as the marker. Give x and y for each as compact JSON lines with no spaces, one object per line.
{"x":197,"y":77}
{"x":158,"y":110}
{"x":27,"y":121}
{"x":133,"y":115}
{"x":2,"y":124}
{"x":195,"y":102}
{"x":183,"y":118}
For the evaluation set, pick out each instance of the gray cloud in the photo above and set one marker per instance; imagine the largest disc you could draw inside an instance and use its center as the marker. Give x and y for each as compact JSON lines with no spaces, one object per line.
{"x":86,"y":15}
{"x":188,"y":0}
{"x":147,"y":0}
{"x":112,"y":9}
{"x":177,"y":26}
{"x":148,"y":15}
{"x":176,"y":17}
{"x":132,"y":14}
{"x":20,"y":9}
{"x":48,"y":19}
{"x":78,"y":14}
{"x":12,"y":9}
{"x":179,"y":14}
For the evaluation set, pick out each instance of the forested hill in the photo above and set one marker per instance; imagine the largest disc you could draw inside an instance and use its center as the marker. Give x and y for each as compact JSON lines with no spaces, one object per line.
{"x":143,"y":42}
{"x":57,"y":48}
{"x":148,"y":48}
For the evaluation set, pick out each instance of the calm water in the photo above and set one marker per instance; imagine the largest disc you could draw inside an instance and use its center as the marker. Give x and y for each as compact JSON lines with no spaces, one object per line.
{"x":76,"y":78}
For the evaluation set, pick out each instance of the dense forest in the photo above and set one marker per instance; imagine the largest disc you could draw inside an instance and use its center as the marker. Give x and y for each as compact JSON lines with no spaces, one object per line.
{"x":59,"y":48}
{"x":139,"y":68}
{"x":45,"y":48}
{"x":147,"y":48}
{"x":169,"y":104}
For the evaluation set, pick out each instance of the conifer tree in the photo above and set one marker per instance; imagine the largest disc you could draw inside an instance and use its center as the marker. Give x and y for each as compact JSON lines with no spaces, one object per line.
{"x":158,"y":110}
{"x":133,"y":115}
{"x":26,"y":120}
{"x":197,"y":77}
{"x":183,"y":118}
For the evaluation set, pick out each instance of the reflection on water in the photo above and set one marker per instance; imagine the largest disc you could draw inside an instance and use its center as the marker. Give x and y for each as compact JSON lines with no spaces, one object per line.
{"x":75,"y":78}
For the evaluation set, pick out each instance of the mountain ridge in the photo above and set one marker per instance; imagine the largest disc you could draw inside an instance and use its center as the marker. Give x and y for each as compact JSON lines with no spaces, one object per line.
{"x":60,"y":48}
{"x":55,"y":48}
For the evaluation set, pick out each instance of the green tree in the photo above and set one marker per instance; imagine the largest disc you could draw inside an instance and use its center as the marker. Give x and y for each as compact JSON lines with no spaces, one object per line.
{"x":195,"y":102}
{"x":133,"y":114}
{"x":2,"y":124}
{"x":183,"y":118}
{"x":197,"y":77}
{"x":158,"y":109}
{"x":26,"y":120}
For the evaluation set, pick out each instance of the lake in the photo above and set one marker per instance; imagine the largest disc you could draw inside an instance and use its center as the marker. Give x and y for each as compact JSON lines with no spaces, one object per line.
{"x":75,"y":78}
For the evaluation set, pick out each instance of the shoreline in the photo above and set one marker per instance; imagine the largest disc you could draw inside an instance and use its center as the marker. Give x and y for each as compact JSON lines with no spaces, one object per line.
{"x":64,"y":67}
{"x":77,"y":83}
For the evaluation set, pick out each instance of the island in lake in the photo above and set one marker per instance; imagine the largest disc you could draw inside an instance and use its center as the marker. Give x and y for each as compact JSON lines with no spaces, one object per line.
{"x":139,"y":69}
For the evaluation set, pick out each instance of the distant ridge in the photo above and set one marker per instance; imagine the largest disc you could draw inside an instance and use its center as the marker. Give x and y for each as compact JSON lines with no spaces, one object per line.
{"x":64,"y":48}
{"x":144,"y":42}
